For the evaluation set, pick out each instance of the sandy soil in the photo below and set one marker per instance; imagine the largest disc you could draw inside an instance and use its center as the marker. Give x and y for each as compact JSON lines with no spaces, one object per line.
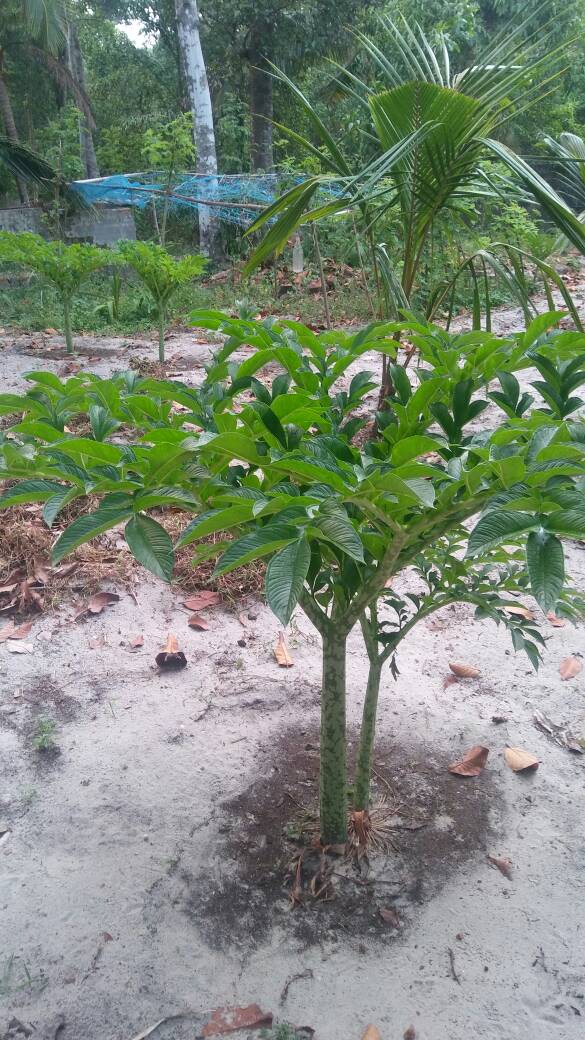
{"x":143,"y":863}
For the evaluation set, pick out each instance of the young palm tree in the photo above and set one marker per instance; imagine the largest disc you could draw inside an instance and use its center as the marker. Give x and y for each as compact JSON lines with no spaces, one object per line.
{"x":429,"y":128}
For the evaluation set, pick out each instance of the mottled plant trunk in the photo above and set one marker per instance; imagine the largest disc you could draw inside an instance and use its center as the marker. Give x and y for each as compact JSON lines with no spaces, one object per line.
{"x":363,"y":769}
{"x":333,"y":784}
{"x":261,"y":107}
{"x":162,"y":324}
{"x":12,"y":134}
{"x":67,"y":325}
{"x":76,"y":66}
{"x":199,"y":98}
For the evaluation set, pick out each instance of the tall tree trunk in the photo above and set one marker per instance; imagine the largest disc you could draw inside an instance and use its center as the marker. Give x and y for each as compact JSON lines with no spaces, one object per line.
{"x":261,"y":109}
{"x":87,"y":147}
{"x":197,"y":87}
{"x":333,"y":783}
{"x":12,"y":134}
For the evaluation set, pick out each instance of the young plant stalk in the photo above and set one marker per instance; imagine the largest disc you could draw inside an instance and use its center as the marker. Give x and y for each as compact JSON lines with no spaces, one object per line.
{"x":162,"y":327}
{"x":67,"y":325}
{"x":333,"y":778}
{"x":363,"y":769}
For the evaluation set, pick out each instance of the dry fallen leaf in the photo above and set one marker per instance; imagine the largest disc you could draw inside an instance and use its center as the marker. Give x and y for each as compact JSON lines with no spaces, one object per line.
{"x":410,"y":1033}
{"x":464,"y":671}
{"x":556,"y":622}
{"x":520,"y":760}
{"x":96,"y":603}
{"x":502,"y":864}
{"x":472,"y":762}
{"x":136,"y":642}
{"x":570,"y":667}
{"x":231,"y":1019}
{"x":282,"y":654}
{"x":97,"y":642}
{"x":42,"y":571}
{"x":520,"y":611}
{"x":171,"y":658}
{"x":372,"y":1033}
{"x":196,"y":621}
{"x":560,"y":734}
{"x":389,"y":915}
{"x":19,"y":648}
{"x":201,"y":600}
{"x":11,"y":631}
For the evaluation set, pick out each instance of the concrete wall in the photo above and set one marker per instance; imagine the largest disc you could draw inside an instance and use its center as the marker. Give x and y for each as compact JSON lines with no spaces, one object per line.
{"x":104,"y":225}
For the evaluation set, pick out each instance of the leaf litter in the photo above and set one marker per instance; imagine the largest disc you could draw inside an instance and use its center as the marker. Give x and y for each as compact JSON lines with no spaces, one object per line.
{"x":464,"y":671}
{"x":472,"y":762}
{"x":560,"y":734}
{"x":171,"y":659}
{"x":503,"y":864}
{"x":282,"y":654}
{"x":570,"y":667}
{"x":519,"y":760}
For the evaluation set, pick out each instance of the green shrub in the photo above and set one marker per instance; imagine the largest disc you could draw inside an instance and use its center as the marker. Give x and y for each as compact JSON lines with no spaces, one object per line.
{"x":276,"y":475}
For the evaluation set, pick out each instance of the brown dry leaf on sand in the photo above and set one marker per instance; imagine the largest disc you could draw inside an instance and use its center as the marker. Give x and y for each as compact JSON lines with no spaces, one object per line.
{"x":520,"y":760}
{"x":520,"y":611}
{"x":570,"y":667}
{"x":96,"y":604}
{"x":231,"y":1019}
{"x":503,"y":864}
{"x":201,"y":600}
{"x":556,"y":622}
{"x":472,"y":762}
{"x":171,"y":658}
{"x":372,"y":1033}
{"x":12,"y":631}
{"x":136,"y":642}
{"x":196,"y":621}
{"x":464,"y":671}
{"x":389,"y":915}
{"x":281,"y":653}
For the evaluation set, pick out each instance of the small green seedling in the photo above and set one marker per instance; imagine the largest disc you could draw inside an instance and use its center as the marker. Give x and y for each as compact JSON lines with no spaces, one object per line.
{"x":44,"y":737}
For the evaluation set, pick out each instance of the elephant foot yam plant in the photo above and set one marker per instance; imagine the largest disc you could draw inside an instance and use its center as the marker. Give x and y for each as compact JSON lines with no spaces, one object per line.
{"x":161,"y":276}
{"x":471,"y":484}
{"x":64,"y":267}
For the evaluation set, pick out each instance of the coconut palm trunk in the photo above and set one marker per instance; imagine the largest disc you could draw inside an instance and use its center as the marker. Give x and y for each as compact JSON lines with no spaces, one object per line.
{"x":199,"y":97}
{"x":12,"y":134}
{"x":86,"y":143}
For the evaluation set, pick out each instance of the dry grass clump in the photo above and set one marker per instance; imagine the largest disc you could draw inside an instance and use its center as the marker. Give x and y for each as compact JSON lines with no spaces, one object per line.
{"x":29,"y":582}
{"x":246,"y":581}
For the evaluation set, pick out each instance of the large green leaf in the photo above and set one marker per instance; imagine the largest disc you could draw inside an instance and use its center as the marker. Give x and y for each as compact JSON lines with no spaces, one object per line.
{"x":567,"y":522}
{"x":337,"y":528}
{"x":216,"y":520}
{"x":498,"y":526}
{"x":87,"y":527}
{"x":285,"y":577}
{"x":151,"y":545}
{"x":30,"y":491}
{"x":236,"y":446}
{"x":546,"y":568}
{"x":255,"y":545}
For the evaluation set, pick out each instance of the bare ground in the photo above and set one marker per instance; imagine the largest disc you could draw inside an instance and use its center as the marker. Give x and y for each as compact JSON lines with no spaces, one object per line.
{"x":147,"y":860}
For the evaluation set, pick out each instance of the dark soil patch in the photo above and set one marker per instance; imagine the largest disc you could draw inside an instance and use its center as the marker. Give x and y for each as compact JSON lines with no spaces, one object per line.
{"x":439,"y":823}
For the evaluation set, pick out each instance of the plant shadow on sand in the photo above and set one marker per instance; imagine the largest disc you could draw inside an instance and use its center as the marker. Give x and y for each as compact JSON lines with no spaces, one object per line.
{"x":435,"y":824}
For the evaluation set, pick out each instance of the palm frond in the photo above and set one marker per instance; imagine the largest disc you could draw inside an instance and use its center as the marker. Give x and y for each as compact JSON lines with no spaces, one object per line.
{"x":23,"y":162}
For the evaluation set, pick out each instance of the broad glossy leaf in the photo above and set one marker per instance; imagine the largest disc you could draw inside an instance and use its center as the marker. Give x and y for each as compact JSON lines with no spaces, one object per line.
{"x":546,"y":568}
{"x":30,"y":491}
{"x":255,"y":545}
{"x":87,"y":527}
{"x":498,"y":526}
{"x":151,"y":545}
{"x":285,"y":577}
